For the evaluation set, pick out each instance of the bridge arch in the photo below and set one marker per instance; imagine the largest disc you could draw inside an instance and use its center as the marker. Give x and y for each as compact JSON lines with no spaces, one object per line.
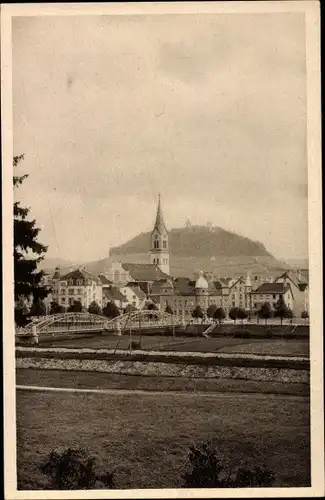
{"x":71,"y":322}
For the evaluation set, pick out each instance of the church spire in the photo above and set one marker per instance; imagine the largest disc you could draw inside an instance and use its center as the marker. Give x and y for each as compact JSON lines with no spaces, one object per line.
{"x":159,"y":252}
{"x":160,"y":223}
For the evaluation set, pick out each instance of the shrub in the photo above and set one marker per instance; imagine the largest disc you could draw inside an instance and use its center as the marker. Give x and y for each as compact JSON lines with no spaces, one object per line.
{"x":74,"y":469}
{"x":94,"y":308}
{"x":75,"y":307}
{"x":206,"y":470}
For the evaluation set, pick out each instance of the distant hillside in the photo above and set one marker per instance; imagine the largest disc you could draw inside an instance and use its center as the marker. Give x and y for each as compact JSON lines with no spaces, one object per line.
{"x":197,"y":241}
{"x":192,"y":249}
{"x":213,"y":250}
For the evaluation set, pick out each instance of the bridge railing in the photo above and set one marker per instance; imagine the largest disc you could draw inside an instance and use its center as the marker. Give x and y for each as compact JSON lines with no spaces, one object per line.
{"x":83,"y":322}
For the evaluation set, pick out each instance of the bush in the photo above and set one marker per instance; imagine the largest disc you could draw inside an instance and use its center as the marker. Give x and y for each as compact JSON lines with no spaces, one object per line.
{"x":74,"y":469}
{"x":206,"y":470}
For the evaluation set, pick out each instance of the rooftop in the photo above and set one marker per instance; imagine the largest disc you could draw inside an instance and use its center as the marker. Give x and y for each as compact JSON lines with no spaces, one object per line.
{"x":272,"y":288}
{"x":78,"y":274}
{"x":113,"y":293}
{"x":145,"y":272}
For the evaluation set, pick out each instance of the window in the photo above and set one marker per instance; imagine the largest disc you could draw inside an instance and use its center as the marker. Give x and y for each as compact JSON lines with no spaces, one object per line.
{"x":79,"y":291}
{"x":164,"y":244}
{"x":70,"y":282}
{"x":157,"y":261}
{"x":274,"y":296}
{"x":79,"y":282}
{"x":71,"y":301}
{"x":63,"y":300}
{"x":70,"y":291}
{"x":63,"y":291}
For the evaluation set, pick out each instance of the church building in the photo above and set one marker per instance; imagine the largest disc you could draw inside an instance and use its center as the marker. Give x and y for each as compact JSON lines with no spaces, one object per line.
{"x":159,"y":251}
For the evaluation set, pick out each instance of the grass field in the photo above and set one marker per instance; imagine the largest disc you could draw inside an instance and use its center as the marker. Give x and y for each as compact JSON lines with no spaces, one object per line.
{"x":95,"y":380}
{"x":146,"y":438}
{"x":292,"y":347}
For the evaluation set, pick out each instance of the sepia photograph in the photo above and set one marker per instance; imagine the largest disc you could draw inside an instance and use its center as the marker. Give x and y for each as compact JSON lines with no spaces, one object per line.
{"x":162,"y":270}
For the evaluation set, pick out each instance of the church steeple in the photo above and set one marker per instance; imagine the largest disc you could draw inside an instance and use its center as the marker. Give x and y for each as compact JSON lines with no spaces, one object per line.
{"x":160,"y":223}
{"x":159,"y":252}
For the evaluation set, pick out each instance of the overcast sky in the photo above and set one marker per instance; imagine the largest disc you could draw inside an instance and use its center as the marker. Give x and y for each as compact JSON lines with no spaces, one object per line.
{"x":208,"y":110}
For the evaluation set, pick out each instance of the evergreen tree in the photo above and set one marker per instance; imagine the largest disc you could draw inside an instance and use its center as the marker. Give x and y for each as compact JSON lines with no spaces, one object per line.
{"x":233,"y":314}
{"x":265,"y":311}
{"x":111,"y":310}
{"x":211,"y":310}
{"x":220,"y":314}
{"x":38,"y":308}
{"x":94,"y":308}
{"x":75,"y":307}
{"x":197,"y":312}
{"x":281,"y":310}
{"x":242,"y":314}
{"x":56,"y":308}
{"x":28,"y":253}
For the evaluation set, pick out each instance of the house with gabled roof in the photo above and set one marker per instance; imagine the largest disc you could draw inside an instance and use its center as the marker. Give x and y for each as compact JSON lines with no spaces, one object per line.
{"x":300,"y":287}
{"x":76,"y":285}
{"x":271,"y":292}
{"x":134,"y":295}
{"x":113,"y":294}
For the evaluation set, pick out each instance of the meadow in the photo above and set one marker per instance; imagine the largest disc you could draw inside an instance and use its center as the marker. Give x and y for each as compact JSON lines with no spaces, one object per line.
{"x":275,"y":346}
{"x":145,"y":439}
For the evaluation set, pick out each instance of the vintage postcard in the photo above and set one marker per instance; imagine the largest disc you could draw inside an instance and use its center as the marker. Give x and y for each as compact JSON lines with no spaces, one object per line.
{"x":162,"y":250}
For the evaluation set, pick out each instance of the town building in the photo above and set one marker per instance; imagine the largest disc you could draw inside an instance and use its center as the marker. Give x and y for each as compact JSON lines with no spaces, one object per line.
{"x":271,"y":292}
{"x":143,"y":275}
{"x":113,"y":294}
{"x":133,"y":295}
{"x":239,"y":291}
{"x":77,"y":285}
{"x":183,"y":295}
{"x":300,"y":289}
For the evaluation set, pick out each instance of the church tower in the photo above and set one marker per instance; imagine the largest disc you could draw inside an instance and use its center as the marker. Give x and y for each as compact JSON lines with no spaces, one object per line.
{"x":159,"y":252}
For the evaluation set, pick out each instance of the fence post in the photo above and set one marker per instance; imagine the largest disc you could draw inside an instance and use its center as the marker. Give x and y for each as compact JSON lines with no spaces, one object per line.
{"x":34,"y":335}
